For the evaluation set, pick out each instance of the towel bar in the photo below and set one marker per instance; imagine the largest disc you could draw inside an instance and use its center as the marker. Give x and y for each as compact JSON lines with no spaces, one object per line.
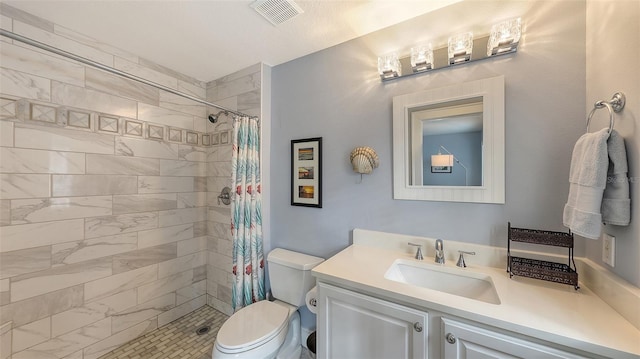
{"x":616,"y":104}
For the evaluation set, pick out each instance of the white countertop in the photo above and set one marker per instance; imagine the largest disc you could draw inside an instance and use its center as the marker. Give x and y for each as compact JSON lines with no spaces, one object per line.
{"x":547,"y":311}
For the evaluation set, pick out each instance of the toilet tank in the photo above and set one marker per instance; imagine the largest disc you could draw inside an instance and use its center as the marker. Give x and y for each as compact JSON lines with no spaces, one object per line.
{"x":290,"y":275}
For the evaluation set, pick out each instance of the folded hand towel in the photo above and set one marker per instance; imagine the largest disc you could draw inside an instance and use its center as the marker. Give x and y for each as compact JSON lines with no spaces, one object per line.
{"x":587,"y":180}
{"x":616,"y":204}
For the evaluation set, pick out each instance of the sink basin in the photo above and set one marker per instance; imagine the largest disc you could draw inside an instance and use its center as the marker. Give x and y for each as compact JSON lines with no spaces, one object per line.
{"x":460,"y":282}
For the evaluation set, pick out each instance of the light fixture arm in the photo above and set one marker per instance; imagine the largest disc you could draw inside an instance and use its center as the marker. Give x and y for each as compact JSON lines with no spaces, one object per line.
{"x":466,"y":170}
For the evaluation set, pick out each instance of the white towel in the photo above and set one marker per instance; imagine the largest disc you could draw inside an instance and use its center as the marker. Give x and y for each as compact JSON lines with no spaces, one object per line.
{"x":587,"y":181}
{"x":616,"y":204}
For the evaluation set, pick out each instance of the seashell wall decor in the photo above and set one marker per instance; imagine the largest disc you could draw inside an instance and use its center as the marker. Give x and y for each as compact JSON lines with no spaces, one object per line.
{"x":364,"y":160}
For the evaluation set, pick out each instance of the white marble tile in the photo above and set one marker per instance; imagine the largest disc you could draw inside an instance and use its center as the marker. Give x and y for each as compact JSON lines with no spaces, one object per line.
{"x":159,"y":236}
{"x":6,"y":23}
{"x":6,"y":134}
{"x":182,"y":168}
{"x":126,"y":146}
{"x":62,"y":43}
{"x":79,"y":355}
{"x":25,"y":17}
{"x":193,"y":245}
{"x":220,"y":261}
{"x":165,"y":184}
{"x":32,"y":62}
{"x":145,"y":73}
{"x":36,"y":308}
{"x":142,"y":312}
{"x":182,"y":216}
{"x":55,"y":209}
{"x":80,"y":97}
{"x":18,"y":237}
{"x":80,"y":251}
{"x":103,"y":288}
{"x":38,"y":283}
{"x":181,"y":104}
{"x":18,"y":160}
{"x":13,"y":186}
{"x":31,"y":334}
{"x":113,"y":342}
{"x":5,"y":291}
{"x":68,"y":343}
{"x":92,"y":312}
{"x":165,"y":116}
{"x":192,"y":153}
{"x":192,"y":199}
{"x":93,"y":185}
{"x":198,"y":90}
{"x":181,"y":264}
{"x":119,"y":86}
{"x":220,"y":305}
{"x":24,"y":261}
{"x":194,"y":291}
{"x":5,"y":212}
{"x":144,"y":203}
{"x":89,"y":41}
{"x":58,"y":139}
{"x":124,"y":223}
{"x":5,"y":340}
{"x":237,"y":86}
{"x":24,"y":85}
{"x":181,"y":310}
{"x":143,"y":257}
{"x":121,"y":165}
{"x":164,"y":286}
{"x":220,"y":214}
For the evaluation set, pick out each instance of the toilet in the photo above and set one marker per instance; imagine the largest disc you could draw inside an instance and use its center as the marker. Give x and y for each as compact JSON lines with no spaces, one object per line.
{"x":271,"y":329}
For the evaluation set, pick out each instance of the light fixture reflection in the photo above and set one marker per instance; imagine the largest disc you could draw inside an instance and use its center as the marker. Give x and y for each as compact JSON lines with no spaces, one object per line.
{"x":389,"y":66}
{"x":460,"y":47}
{"x":504,"y":37}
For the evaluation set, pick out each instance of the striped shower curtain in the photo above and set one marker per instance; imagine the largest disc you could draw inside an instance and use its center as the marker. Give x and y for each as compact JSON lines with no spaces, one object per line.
{"x":246,"y":214}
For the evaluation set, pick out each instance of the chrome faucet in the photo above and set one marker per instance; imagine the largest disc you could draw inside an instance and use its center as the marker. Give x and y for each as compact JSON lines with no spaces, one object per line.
{"x":461,"y":262}
{"x":439,"y":251}
{"x":418,"y":252}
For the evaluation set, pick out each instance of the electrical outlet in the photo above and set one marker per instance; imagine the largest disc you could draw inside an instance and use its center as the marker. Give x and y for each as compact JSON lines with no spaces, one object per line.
{"x":608,"y":249}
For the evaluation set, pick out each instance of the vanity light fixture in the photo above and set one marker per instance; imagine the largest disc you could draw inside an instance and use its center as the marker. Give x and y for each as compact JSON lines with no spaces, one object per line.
{"x":504,"y":37}
{"x":389,"y":66}
{"x":460,"y":47}
{"x":422,"y":58}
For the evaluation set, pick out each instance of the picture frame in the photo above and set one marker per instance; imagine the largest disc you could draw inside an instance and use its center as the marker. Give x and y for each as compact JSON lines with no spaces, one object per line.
{"x":441,"y":169}
{"x":306,"y":172}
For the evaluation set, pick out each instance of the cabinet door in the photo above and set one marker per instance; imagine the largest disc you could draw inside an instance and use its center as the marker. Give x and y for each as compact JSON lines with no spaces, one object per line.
{"x":352,"y":326}
{"x":464,"y":341}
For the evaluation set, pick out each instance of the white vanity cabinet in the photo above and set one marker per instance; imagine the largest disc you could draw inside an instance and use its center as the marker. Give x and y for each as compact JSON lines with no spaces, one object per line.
{"x":466,"y":341}
{"x":352,"y":326}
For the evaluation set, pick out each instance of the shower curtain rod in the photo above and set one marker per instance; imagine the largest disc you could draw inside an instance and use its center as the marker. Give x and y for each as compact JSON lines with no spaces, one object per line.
{"x":112,"y":70}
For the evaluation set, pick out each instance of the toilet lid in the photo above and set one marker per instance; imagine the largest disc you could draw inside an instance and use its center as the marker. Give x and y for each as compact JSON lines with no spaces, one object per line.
{"x":252,"y":325}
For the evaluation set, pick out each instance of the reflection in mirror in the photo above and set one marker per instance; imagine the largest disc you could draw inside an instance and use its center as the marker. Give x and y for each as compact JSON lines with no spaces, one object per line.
{"x":446,"y":142}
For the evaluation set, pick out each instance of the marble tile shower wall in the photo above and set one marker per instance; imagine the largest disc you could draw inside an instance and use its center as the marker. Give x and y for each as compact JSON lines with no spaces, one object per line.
{"x":103,"y":196}
{"x":240,"y":91}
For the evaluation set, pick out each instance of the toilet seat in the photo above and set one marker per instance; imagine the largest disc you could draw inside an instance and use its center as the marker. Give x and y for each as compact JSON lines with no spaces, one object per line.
{"x":253,"y":326}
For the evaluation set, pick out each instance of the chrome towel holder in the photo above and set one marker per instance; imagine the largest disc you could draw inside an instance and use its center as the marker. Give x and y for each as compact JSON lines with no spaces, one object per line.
{"x":616,"y":104}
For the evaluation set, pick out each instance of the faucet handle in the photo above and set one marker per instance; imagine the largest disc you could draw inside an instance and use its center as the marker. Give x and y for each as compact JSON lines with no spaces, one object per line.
{"x":461,"y":262}
{"x":418,"y":252}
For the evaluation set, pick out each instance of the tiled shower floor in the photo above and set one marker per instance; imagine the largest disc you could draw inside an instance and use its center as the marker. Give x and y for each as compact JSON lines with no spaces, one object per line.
{"x":178,"y":339}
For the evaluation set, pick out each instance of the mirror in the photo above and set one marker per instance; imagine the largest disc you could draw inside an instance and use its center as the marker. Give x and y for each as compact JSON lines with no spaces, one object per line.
{"x":448,"y":143}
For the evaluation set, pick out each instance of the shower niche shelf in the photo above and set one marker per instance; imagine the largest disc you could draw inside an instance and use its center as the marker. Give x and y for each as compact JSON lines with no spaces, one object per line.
{"x":539,"y":269}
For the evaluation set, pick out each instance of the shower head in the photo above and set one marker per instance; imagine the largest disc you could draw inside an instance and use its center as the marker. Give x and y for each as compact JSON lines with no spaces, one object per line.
{"x":214,"y":118}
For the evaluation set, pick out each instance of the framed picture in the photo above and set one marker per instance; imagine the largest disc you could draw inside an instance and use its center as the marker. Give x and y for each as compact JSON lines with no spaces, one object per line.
{"x":306,"y":172}
{"x":440,"y":169}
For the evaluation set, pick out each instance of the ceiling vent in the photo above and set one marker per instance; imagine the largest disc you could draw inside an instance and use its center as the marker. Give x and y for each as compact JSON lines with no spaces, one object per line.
{"x":277,"y":11}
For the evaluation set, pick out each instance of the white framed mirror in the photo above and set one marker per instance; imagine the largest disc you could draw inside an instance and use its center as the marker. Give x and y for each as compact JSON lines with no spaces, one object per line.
{"x":448,"y":143}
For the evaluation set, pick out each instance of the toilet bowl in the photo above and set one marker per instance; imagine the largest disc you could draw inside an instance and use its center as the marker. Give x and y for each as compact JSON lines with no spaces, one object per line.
{"x":270,"y":329}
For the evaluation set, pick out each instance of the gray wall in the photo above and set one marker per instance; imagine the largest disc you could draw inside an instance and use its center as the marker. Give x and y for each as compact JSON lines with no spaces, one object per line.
{"x":613,"y":49}
{"x":337,"y":94}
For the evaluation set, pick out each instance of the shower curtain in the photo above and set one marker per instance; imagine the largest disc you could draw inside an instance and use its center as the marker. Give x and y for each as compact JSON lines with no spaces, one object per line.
{"x":246,"y":214}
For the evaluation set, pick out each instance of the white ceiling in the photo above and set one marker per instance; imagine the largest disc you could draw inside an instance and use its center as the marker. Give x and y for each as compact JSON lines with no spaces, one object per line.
{"x":208,"y":39}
